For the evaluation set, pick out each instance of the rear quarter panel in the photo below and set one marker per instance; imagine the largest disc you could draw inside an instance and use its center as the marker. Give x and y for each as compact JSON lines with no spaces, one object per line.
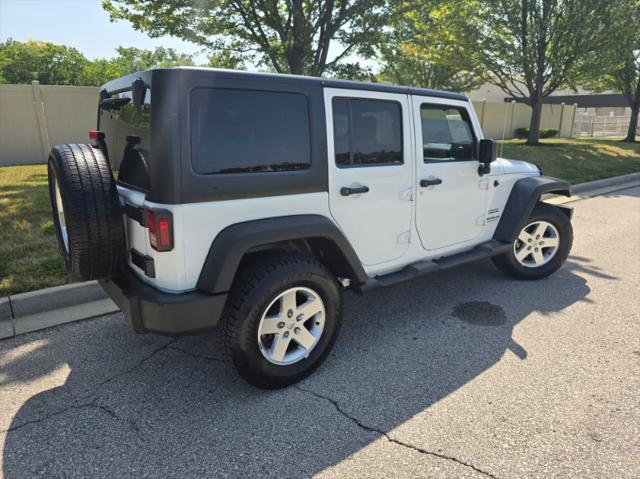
{"x":196,"y":226}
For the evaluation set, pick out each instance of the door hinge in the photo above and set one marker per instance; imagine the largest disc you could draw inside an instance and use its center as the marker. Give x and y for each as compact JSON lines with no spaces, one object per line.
{"x":404,"y":238}
{"x":407,"y":195}
{"x":484,"y":184}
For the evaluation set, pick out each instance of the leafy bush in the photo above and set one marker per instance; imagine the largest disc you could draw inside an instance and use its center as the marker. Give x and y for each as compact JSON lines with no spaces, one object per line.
{"x":544,"y":132}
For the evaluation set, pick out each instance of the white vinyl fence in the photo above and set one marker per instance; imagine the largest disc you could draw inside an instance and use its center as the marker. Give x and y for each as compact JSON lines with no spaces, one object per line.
{"x":590,"y":125}
{"x":35,"y":117}
{"x":500,"y":120}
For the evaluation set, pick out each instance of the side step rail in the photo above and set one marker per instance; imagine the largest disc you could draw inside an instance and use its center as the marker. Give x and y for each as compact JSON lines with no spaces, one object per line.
{"x":421,"y":268}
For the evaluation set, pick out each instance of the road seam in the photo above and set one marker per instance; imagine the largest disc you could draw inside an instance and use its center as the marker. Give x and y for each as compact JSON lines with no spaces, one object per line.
{"x":389,"y":438}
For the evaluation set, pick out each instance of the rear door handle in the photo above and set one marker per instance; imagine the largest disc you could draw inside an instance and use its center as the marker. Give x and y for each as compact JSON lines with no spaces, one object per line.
{"x":430,"y":182}
{"x":346,"y":191}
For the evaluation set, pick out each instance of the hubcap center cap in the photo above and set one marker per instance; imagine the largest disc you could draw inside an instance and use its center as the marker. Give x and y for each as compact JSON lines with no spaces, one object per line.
{"x":290,"y":324}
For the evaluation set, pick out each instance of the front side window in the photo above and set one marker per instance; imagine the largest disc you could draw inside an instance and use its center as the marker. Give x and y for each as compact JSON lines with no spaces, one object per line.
{"x":367,"y":132}
{"x":447,"y":134}
{"x":244,"y":131}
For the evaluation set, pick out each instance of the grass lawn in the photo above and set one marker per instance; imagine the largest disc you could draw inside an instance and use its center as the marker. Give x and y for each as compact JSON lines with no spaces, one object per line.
{"x":576,"y":160}
{"x":29,"y":257}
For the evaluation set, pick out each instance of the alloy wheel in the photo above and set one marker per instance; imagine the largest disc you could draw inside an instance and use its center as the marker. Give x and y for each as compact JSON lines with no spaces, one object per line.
{"x":291,"y":326}
{"x":536,"y":244}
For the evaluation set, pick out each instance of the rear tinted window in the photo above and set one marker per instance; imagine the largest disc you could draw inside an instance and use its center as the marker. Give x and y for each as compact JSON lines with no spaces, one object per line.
{"x":123,"y":120}
{"x":367,"y":132}
{"x":242,"y":131}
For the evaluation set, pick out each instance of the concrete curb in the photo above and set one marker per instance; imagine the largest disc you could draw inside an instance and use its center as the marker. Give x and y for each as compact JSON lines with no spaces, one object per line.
{"x":36,"y":310}
{"x":605,"y":183}
{"x":596,"y":188}
{"x":26,"y":312}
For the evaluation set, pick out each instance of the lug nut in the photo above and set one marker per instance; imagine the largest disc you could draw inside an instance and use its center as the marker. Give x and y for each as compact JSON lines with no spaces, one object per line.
{"x":286,"y":334}
{"x":536,"y":249}
{"x":529,"y":240}
{"x":297,"y":330}
{"x":281,"y":324}
{"x":528,"y":248}
{"x":289,"y":314}
{"x":300,"y":317}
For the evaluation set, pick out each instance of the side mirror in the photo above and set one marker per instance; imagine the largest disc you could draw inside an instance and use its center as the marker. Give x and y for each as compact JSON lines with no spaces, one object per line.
{"x":487,"y":154}
{"x":138,"y":92}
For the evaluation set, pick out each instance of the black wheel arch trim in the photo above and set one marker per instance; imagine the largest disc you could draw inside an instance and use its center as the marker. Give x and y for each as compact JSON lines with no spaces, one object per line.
{"x":524,"y":196}
{"x":231,"y":244}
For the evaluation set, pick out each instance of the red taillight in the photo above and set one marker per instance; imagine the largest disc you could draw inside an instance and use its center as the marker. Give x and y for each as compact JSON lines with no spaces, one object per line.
{"x":160,"y":224}
{"x":94,"y":137}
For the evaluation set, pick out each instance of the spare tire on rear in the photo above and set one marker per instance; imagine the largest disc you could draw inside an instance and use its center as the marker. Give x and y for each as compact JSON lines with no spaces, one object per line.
{"x":86,"y":212}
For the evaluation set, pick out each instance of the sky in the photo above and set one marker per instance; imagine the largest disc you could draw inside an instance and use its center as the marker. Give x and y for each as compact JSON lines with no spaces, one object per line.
{"x":82,"y":24}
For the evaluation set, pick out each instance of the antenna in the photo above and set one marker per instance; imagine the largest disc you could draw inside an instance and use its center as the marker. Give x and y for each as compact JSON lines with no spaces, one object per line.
{"x":504,"y":128}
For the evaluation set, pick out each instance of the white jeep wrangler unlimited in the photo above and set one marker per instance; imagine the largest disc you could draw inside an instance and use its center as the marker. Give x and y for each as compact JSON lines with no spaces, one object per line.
{"x":254,"y":200}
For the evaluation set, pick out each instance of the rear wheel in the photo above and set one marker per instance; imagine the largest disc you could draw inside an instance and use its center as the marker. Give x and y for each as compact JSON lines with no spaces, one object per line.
{"x":282,"y":318}
{"x":541,"y":247}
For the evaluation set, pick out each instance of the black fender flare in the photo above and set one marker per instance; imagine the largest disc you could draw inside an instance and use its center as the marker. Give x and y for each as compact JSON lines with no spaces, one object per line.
{"x":523,"y":198}
{"x":231,"y":244}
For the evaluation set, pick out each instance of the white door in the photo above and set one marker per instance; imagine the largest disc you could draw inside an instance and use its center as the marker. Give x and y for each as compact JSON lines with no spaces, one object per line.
{"x":451,"y":199}
{"x":370,"y":171}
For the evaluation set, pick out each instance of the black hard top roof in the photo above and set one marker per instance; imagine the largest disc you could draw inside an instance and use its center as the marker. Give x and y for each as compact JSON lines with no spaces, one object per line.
{"x":281,"y":77}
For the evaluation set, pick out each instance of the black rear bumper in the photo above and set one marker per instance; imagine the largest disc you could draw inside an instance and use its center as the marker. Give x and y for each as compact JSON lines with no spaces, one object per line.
{"x":150,"y":310}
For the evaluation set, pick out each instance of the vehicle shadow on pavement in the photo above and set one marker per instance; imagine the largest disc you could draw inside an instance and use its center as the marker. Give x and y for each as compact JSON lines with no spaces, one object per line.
{"x":152,"y":406}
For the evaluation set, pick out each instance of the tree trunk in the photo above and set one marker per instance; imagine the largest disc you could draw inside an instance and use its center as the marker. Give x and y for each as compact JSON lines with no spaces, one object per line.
{"x":296,"y":50}
{"x":633,"y":122}
{"x":534,"y":125}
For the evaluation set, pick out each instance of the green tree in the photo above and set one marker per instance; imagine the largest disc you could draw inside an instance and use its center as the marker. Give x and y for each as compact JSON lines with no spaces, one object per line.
{"x":130,"y":60}
{"x":616,"y":64}
{"x":50,"y":64}
{"x":627,"y":79}
{"x":424,"y":47}
{"x":226,"y":59}
{"x":290,"y":36}
{"x":531,"y":48}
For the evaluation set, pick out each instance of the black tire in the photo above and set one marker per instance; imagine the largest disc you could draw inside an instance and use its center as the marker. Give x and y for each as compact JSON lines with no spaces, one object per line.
{"x":507,"y":262}
{"x":255,"y":287}
{"x":92,"y":214}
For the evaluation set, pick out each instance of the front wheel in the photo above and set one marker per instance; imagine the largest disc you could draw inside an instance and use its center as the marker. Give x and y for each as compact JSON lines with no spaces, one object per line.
{"x":281,"y":320}
{"x":541,"y":247}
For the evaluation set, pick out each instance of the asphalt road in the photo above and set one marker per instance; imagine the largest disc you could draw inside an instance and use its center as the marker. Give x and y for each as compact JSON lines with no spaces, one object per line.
{"x":462,"y":374}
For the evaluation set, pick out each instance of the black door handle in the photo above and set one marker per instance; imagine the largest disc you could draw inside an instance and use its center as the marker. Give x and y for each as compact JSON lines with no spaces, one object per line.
{"x":433,"y":182}
{"x":346,"y":191}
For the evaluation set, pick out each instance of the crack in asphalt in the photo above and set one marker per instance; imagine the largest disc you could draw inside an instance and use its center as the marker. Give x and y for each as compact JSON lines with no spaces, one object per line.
{"x":47,"y":416}
{"x":93,"y":403}
{"x":88,"y":405}
{"x":130,"y":422}
{"x":168,"y":345}
{"x":131,"y":369}
{"x":393,"y":440}
{"x":199,"y":356}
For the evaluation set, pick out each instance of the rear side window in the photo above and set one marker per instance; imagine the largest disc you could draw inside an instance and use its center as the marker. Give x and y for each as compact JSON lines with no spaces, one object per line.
{"x":367,"y":132}
{"x":243,"y":131}
{"x":446,"y":134}
{"x":119,"y":118}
